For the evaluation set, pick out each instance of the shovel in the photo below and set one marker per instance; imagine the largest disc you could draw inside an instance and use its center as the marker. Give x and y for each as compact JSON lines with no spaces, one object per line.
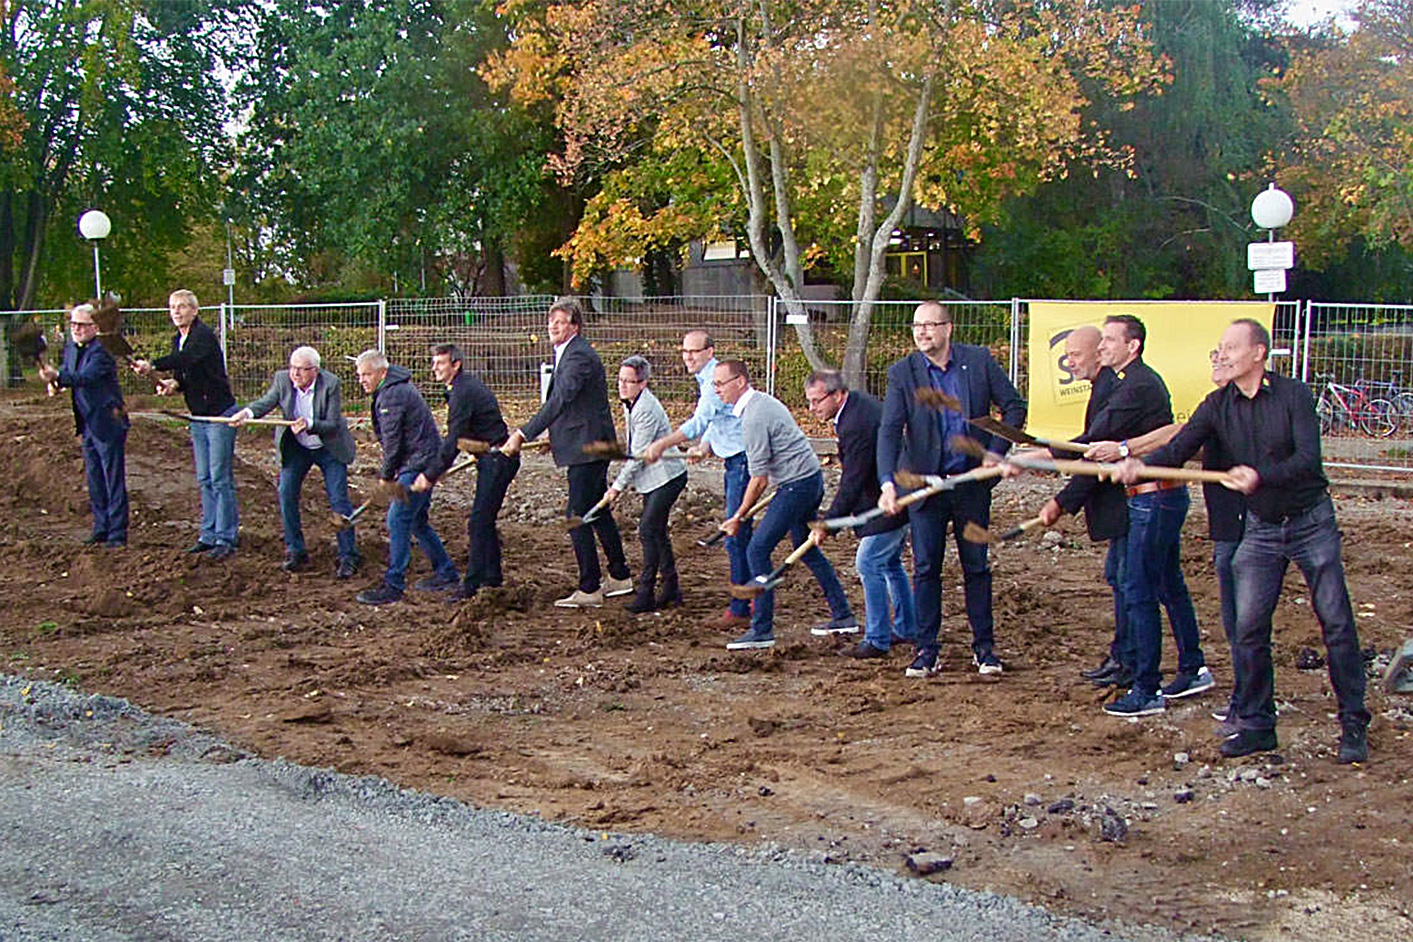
{"x":343,"y":523}
{"x":929,"y":485}
{"x":773,"y":578}
{"x":573,"y":522}
{"x":1104,"y":469}
{"x":474,"y":446}
{"x":223,"y":419}
{"x":976,"y":533}
{"x":937,"y":400}
{"x":755,"y":508}
{"x":614,"y":451}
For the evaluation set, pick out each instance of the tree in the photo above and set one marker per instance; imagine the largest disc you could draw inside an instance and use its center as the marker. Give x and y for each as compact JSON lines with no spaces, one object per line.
{"x":1349,"y":164}
{"x":120,"y":106}
{"x":820,"y":113}
{"x":372,"y":136}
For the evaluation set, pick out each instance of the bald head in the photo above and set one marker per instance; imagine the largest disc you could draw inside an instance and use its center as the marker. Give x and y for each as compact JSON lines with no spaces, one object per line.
{"x":1082,"y":351}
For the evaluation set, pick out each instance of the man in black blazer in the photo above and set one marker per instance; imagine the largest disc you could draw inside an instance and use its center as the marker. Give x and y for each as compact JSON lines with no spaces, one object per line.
{"x":913,"y":436}
{"x":576,"y":413}
{"x":879,"y":560}
{"x":310,"y":397}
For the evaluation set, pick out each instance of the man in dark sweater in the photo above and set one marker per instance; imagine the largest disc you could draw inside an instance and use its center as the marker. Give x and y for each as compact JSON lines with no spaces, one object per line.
{"x":408,"y":433}
{"x":473,"y":412}
{"x":1266,"y":424}
{"x":198,"y":368}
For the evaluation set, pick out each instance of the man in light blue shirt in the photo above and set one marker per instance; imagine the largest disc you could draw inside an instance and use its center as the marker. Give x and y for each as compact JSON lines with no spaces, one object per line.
{"x":720,"y":433}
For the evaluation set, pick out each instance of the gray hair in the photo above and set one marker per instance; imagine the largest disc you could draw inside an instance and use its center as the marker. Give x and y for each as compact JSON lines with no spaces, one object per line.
{"x":831,"y":380}
{"x":640,"y":367}
{"x":307,"y":354}
{"x":377,"y":359}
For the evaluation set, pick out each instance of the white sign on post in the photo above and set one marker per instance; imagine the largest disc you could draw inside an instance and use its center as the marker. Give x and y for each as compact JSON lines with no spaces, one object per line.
{"x":1264,"y":255}
{"x":228,"y":276}
{"x":1269,"y":281}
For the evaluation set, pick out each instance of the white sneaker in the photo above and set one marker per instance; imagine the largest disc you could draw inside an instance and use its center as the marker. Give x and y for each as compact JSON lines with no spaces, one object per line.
{"x":613,"y":587}
{"x":579,"y":599}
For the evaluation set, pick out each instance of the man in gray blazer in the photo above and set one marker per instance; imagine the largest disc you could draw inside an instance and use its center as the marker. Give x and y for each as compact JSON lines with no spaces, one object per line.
{"x":309,"y":396}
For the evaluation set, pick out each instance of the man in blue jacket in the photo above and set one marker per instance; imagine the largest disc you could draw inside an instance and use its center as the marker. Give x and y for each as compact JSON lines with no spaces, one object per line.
{"x":408,"y":433}
{"x":100,"y":421}
{"x":914,"y":437}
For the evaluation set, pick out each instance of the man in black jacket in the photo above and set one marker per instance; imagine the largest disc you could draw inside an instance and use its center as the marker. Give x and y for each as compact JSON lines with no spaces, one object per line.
{"x":576,"y":413}
{"x":879,"y":560}
{"x":198,"y":369}
{"x":473,"y":412}
{"x":408,"y":433}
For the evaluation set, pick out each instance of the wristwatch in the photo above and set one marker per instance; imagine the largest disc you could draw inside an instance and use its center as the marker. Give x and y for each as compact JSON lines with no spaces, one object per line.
{"x":1123,"y":448}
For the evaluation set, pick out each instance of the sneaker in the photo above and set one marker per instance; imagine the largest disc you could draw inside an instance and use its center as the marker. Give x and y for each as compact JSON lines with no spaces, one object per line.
{"x":863,"y":651}
{"x":1108,"y":666}
{"x":986,"y":662}
{"x":612,"y":587}
{"x":1122,"y":678}
{"x":1246,"y":741}
{"x":461,"y":593}
{"x":751,"y":641}
{"x":729,"y":620}
{"x":437,"y":583}
{"x":1187,"y":685}
{"x":924,"y":665}
{"x":1353,"y":745}
{"x":1228,"y":727}
{"x":220,"y":553}
{"x":848,"y":625}
{"x":93,"y":539}
{"x":1223,"y":714}
{"x":1135,"y":703}
{"x":380,"y":594}
{"x":579,"y":599}
{"x":116,"y":544}
{"x":296,"y":562}
{"x":200,"y":547}
{"x":347,"y":567}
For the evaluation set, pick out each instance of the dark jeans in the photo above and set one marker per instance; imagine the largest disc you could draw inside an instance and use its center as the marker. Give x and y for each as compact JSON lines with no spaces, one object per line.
{"x":406,"y":521}
{"x":968,"y":502}
{"x":106,"y":466}
{"x":736,"y":478}
{"x":652,"y":532}
{"x":295,"y":462}
{"x":1153,"y":575}
{"x":1312,"y":541}
{"x":794,"y":506}
{"x":494,"y":472}
{"x":587,"y":484}
{"x":1222,"y":553}
{"x":1114,"y":576}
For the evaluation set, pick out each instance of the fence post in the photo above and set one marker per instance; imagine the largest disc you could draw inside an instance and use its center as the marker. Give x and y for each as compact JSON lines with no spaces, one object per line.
{"x":382,"y":324}
{"x":1015,"y":342}
{"x":224,"y":317}
{"x":1305,"y":348}
{"x":770,"y":344}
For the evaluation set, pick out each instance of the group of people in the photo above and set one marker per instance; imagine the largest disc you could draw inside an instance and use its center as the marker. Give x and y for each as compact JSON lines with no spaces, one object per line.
{"x":1258,"y":427}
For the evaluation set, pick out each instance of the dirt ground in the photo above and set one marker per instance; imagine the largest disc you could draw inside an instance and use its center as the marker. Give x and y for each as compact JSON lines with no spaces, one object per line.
{"x":646,"y":723}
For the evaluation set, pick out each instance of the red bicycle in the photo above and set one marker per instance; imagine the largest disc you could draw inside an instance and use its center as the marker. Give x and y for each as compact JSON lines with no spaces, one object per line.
{"x":1347,"y":408}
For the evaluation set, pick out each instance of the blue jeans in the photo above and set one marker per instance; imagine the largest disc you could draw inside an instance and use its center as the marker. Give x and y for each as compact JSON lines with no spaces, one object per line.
{"x":1222,"y":553}
{"x":1312,"y":540}
{"x":879,"y":561}
{"x":213,"y":444}
{"x":1121,"y":646}
{"x":794,"y":506}
{"x":406,"y":521}
{"x":736,"y":478}
{"x":1153,"y":574}
{"x":295,"y":462}
{"x":106,"y":468}
{"x":968,"y":502}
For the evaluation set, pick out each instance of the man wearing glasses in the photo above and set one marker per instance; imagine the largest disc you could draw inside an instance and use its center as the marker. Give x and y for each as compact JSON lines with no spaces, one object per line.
{"x":719,"y":431}
{"x":310,"y":397}
{"x":915,"y":437}
{"x":101,"y":423}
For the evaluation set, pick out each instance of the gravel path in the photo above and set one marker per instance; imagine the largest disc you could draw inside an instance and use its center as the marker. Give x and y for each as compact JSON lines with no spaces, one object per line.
{"x":120,"y":825}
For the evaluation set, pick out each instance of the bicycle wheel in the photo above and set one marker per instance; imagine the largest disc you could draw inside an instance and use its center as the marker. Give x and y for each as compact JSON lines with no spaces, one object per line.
{"x":1403,"y":411}
{"x":1378,"y":418}
{"x":1325,"y":410}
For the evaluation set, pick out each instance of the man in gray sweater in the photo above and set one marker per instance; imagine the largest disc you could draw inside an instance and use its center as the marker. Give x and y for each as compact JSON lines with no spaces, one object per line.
{"x":778,"y":453}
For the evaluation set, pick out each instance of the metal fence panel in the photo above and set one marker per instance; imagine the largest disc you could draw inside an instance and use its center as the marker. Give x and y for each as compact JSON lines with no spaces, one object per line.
{"x":259,"y":338}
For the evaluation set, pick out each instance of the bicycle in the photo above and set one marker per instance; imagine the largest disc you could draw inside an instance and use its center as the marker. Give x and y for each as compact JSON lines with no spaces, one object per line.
{"x":1345,"y":407}
{"x":1391,"y":390}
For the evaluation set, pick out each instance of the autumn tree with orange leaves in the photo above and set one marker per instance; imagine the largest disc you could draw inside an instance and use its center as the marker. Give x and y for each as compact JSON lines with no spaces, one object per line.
{"x":813,"y":125}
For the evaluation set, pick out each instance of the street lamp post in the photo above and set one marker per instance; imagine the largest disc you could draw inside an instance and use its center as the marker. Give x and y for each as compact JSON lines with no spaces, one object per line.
{"x":1271,"y":209}
{"x":94,"y":226}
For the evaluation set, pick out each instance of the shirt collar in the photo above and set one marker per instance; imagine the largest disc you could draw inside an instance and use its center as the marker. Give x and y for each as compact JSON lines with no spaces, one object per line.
{"x":842,"y":406}
{"x":705,"y":372}
{"x":740,"y":405}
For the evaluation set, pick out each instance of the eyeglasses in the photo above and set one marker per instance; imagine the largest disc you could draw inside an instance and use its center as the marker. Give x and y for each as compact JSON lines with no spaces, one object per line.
{"x":302,"y":369}
{"x":695,"y":349}
{"x":929,"y":325}
{"x":632,"y":382}
{"x":82,"y":324}
{"x":723,"y":383}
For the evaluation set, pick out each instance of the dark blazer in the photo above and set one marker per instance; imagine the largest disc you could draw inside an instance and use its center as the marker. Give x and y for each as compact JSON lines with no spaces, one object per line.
{"x":98,"y":401}
{"x":1105,"y":506}
{"x":576,"y":411}
{"x":329,"y":423}
{"x":199,"y":367}
{"x":472,"y":411}
{"x":404,"y":425}
{"x":857,"y":429}
{"x":910,"y":437}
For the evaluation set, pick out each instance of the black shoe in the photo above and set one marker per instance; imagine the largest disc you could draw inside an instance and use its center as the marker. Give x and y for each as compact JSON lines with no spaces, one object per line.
{"x":1110,"y":665}
{"x":437,"y":583}
{"x":200,"y":547}
{"x":1353,"y":745}
{"x":220,"y":553}
{"x":671,"y":594}
{"x":93,"y":539}
{"x":1120,"y":677}
{"x":461,"y":593}
{"x":296,"y":562}
{"x":116,"y":544}
{"x":347,"y":567}
{"x":643,"y":601}
{"x":863,"y":651}
{"x":381,"y":594}
{"x":1247,"y":741}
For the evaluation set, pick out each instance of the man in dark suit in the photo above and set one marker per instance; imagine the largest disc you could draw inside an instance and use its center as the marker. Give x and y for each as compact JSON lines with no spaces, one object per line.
{"x":576,"y":413}
{"x":100,"y":421}
{"x":879,"y":560}
{"x":914,"y":436}
{"x":310,"y":397}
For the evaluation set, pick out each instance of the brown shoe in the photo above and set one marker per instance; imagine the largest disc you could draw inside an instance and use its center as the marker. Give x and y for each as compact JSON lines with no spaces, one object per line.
{"x":728,"y":621}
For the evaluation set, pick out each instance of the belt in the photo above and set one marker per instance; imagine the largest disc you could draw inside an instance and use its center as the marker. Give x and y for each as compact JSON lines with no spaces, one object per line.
{"x":1149,"y":487}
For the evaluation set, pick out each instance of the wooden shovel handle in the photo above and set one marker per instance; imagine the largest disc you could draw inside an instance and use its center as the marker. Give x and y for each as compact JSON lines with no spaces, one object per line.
{"x":1103,"y":469}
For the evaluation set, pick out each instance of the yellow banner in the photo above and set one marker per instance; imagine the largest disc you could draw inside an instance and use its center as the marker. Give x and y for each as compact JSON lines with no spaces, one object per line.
{"x":1181,"y":335}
